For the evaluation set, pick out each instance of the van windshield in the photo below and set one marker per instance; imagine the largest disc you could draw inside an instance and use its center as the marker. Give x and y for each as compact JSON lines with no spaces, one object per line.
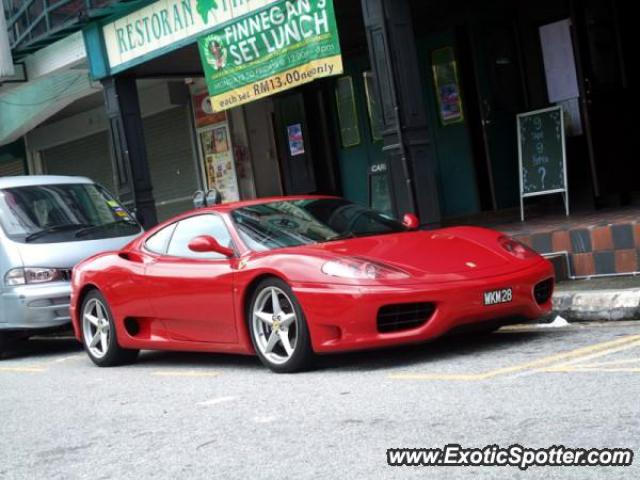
{"x":63,"y":213}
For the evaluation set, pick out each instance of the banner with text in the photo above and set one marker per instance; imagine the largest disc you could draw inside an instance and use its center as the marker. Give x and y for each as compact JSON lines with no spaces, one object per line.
{"x":280,"y":47}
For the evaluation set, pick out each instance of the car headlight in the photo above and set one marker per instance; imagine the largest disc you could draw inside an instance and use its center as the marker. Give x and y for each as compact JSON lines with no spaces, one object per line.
{"x":29,"y":276}
{"x":516,"y":248}
{"x":361,"y":269}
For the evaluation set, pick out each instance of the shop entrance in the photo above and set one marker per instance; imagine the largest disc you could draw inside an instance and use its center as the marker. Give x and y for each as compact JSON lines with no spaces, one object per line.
{"x":294,"y":147}
{"x":259,"y":120}
{"x":500,"y":97}
{"x":602,"y":27}
{"x":358,"y":134}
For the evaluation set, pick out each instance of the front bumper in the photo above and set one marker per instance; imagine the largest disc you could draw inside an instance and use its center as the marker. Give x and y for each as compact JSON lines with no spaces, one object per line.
{"x":35,"y":307}
{"x":343,"y":318}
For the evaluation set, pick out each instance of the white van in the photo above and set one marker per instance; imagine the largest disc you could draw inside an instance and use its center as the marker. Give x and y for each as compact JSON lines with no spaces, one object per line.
{"x":47,"y":225}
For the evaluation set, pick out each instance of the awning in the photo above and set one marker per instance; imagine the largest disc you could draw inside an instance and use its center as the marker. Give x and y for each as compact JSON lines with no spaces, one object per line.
{"x":58,"y":76}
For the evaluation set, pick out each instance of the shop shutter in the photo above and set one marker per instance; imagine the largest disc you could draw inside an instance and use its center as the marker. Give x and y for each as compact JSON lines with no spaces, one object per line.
{"x":87,"y":157}
{"x":168,"y":138}
{"x":11,"y":168}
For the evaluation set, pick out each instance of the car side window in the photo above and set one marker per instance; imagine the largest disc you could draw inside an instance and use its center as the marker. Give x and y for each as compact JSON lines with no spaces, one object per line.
{"x":159,"y":241}
{"x":188,"y":229}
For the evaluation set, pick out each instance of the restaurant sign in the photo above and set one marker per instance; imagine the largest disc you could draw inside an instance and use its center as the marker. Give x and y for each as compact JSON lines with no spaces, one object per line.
{"x":286,"y":44}
{"x":166,"y":25}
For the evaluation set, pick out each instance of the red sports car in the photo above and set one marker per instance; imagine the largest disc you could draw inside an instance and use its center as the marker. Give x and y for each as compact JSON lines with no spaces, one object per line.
{"x":288,"y":278}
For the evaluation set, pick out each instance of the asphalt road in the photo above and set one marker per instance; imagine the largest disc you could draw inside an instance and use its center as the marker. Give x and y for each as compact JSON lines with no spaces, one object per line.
{"x":185,"y":416}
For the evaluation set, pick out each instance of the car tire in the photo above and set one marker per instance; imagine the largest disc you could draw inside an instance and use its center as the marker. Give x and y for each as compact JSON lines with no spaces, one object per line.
{"x":3,"y":344}
{"x":99,"y":334}
{"x":278,"y":328}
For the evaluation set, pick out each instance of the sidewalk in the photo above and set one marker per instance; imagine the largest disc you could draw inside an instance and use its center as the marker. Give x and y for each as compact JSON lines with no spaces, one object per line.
{"x":599,"y":299}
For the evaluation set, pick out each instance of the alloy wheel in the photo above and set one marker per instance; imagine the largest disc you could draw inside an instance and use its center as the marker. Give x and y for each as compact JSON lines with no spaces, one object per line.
{"x":275,"y":325}
{"x":96,"y":328}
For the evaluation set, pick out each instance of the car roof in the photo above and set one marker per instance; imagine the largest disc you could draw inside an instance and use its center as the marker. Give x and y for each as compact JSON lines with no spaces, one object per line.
{"x":36,"y":180}
{"x":227,"y":207}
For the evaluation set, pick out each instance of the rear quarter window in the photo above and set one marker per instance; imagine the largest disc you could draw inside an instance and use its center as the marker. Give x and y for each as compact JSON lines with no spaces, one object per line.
{"x":158,"y":242}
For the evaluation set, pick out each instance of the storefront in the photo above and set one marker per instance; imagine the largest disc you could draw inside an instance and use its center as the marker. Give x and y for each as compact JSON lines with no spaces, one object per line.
{"x":417,"y":114}
{"x":483,"y":63}
{"x":76,"y":141}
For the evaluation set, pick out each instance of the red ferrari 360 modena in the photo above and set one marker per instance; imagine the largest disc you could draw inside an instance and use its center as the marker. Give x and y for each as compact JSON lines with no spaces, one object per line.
{"x":288,"y":278}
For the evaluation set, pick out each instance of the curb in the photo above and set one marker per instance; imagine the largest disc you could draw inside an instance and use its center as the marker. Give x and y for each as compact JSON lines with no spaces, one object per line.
{"x":598,"y":305}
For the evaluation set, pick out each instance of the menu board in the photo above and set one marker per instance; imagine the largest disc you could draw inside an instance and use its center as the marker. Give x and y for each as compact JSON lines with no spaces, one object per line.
{"x":542,"y":154}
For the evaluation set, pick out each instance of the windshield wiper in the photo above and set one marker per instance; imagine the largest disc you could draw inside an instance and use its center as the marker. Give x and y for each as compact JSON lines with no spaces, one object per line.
{"x":342,"y":236}
{"x":92,"y":228}
{"x":55,"y":229}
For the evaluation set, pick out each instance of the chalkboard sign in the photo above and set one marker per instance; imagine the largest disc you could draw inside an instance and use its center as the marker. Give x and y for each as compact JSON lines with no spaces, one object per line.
{"x":542,"y":155}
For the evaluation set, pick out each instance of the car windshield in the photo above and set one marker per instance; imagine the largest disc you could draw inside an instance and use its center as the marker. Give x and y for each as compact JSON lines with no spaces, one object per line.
{"x":303,"y":222}
{"x":63,"y":213}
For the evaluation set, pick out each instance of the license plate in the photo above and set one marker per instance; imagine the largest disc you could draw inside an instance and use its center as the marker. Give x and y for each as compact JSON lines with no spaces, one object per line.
{"x":496,"y":297}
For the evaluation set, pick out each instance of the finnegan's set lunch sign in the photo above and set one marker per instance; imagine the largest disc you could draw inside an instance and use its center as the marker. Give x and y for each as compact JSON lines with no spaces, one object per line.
{"x":288,"y":43}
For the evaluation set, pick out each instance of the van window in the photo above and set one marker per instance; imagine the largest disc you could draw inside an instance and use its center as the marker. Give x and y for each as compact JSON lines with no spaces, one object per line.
{"x":63,"y":213}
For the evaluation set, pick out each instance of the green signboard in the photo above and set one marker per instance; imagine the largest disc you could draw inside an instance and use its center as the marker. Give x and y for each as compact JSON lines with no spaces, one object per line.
{"x":279,"y":47}
{"x":542,"y":154}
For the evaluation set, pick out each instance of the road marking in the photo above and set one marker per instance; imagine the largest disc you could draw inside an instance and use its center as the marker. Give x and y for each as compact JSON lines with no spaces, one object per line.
{"x":28,"y":369}
{"x":185,"y":373}
{"x":591,"y":351}
{"x":39,"y":367}
{"x":579,"y":362}
{"x":70,"y":357}
{"x":625,"y":361}
{"x":216,"y":401}
{"x":264,"y":420}
{"x":578,"y":369}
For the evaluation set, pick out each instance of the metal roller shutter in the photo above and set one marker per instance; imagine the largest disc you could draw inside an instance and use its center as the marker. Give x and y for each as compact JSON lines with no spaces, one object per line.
{"x":168,"y":138}
{"x":87,"y":157}
{"x":11,"y":168}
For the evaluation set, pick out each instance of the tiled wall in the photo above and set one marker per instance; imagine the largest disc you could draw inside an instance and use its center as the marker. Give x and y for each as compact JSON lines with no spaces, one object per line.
{"x":593,"y":250}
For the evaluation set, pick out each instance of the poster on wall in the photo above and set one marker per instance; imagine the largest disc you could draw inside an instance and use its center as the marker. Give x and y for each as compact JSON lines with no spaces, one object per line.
{"x":284,"y":45}
{"x":219,"y":162}
{"x":296,"y":139}
{"x":203,"y":111}
{"x":447,"y":86}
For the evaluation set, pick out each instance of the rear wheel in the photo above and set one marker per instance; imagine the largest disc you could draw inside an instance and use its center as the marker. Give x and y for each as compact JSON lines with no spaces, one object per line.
{"x":3,"y":344}
{"x":99,"y":335}
{"x":279,"y":329}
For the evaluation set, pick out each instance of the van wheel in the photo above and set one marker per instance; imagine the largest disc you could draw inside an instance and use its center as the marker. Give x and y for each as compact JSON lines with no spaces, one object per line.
{"x":3,"y":344}
{"x":99,"y":335}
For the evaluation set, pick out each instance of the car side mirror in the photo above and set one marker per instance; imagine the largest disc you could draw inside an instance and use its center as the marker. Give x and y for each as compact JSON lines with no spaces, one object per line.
{"x":411,"y":221}
{"x":207,"y":244}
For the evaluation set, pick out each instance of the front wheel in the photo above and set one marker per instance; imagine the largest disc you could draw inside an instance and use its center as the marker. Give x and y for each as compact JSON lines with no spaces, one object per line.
{"x":99,"y":333}
{"x":279,"y":329}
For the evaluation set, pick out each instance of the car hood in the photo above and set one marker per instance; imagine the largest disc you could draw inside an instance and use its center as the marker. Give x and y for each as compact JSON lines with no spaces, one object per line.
{"x":66,"y":254}
{"x":422,"y":253}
